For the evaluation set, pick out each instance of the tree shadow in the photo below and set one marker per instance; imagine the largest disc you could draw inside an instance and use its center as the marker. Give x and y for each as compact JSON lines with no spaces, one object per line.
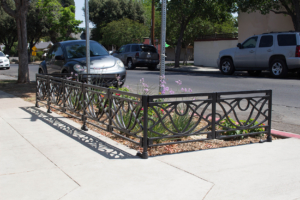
{"x":97,"y":145}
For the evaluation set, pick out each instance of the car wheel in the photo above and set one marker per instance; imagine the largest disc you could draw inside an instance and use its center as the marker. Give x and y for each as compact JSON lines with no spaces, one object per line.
{"x":41,"y":71}
{"x":7,"y":67}
{"x":227,"y":67}
{"x":152,"y":67}
{"x":278,"y":68}
{"x":254,"y":72}
{"x":130,"y":64}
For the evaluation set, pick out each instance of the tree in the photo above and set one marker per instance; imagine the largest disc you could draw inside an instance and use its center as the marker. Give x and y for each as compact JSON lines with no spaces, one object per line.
{"x":58,"y":19}
{"x":8,"y":30}
{"x":183,"y":12}
{"x":123,"y":32}
{"x":286,"y":7}
{"x":20,"y":15}
{"x":102,"y":12}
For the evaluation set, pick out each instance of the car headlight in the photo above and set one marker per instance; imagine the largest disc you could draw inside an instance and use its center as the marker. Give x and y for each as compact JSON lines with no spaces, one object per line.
{"x":79,"y":68}
{"x":6,"y":60}
{"x":120,"y":64}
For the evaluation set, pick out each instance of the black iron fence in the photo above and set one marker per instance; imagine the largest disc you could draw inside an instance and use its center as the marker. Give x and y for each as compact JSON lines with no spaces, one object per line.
{"x":155,"y":120}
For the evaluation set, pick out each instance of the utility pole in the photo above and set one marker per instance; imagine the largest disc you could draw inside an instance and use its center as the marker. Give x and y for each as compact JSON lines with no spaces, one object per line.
{"x":153,"y":24}
{"x":87,"y":38}
{"x":163,"y":40}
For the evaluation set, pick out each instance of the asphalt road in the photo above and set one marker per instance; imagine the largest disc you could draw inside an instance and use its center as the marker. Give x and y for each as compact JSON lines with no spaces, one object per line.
{"x":286,"y":92}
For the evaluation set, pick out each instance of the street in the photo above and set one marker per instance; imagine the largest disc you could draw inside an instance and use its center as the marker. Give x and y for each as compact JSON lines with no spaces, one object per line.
{"x":286,"y":106}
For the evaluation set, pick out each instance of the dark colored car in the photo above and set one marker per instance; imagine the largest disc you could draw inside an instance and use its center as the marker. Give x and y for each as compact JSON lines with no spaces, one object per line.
{"x":141,"y":55}
{"x":70,"y":57}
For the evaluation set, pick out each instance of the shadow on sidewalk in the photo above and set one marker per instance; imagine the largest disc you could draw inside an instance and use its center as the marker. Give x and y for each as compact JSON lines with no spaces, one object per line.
{"x":80,"y":136}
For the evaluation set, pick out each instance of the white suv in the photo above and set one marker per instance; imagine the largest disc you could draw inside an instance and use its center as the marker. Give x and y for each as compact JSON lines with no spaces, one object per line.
{"x":4,"y":61}
{"x":277,"y":52}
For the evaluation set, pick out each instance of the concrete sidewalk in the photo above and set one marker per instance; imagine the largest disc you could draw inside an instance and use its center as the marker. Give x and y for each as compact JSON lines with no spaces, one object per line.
{"x":46,"y":156}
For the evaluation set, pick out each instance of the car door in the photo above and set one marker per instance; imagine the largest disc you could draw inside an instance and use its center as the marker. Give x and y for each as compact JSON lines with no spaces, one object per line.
{"x":120,"y":53}
{"x":264,"y":51}
{"x":245,"y":55}
{"x":48,"y":60}
{"x":127,"y":53}
{"x":58,"y":60}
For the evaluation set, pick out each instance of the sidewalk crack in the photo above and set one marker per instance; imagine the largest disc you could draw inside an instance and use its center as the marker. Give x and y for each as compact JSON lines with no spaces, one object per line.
{"x":192,"y":175}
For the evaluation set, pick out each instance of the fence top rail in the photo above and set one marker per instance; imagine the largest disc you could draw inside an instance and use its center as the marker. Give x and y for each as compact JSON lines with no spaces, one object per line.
{"x":244,"y":92}
{"x":126,"y":93}
{"x":152,"y":97}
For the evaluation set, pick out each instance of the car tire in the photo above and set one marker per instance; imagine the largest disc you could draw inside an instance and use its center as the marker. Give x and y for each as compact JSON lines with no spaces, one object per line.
{"x":152,"y":67}
{"x":278,"y":68}
{"x":227,"y":67}
{"x":254,"y":72}
{"x":41,"y":71}
{"x":7,"y":67}
{"x":130,"y":64}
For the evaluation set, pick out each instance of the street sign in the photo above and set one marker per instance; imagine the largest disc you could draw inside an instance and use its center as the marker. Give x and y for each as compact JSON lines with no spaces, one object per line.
{"x":34,"y":53}
{"x":34,"y":48}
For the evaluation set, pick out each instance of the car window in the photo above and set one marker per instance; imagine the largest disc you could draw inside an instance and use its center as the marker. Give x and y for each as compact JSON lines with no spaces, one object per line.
{"x":127,"y":49}
{"x":135,"y":48}
{"x":250,"y":43}
{"x":286,"y":40}
{"x":122,"y":49}
{"x":148,"y":48}
{"x":1,"y":54}
{"x":49,"y":54}
{"x":266,"y":41}
{"x":78,"y":49}
{"x":57,"y":51}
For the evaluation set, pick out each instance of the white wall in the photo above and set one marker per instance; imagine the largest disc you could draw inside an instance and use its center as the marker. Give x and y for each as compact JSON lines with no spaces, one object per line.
{"x":255,"y":23}
{"x":207,"y":52}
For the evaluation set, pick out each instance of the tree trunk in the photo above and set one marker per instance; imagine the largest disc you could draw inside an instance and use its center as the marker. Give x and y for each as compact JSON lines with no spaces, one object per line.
{"x":179,"y":43}
{"x":23,"y":72}
{"x":297,"y":15}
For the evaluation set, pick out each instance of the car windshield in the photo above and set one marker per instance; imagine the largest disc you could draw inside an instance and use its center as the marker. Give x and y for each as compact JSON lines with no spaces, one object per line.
{"x":77,"y":50}
{"x":2,"y":54}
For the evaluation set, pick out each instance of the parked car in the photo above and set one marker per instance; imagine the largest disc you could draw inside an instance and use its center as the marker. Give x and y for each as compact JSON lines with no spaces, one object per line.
{"x":276,"y":52}
{"x":142,"y":55}
{"x":70,"y":57}
{"x":4,"y":61}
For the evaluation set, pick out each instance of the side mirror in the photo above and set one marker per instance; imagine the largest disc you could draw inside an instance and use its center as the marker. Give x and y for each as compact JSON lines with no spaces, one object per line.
{"x":59,"y":58}
{"x":239,"y":45}
{"x":7,"y":56}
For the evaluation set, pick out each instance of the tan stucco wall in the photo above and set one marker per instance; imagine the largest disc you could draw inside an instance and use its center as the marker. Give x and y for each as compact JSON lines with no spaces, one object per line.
{"x":207,"y":52}
{"x":256,"y":23}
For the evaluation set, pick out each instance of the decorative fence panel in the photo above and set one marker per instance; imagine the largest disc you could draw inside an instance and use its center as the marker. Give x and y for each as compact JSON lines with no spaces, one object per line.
{"x":155,"y":120}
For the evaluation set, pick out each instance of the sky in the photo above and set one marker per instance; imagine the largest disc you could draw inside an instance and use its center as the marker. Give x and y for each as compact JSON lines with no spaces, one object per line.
{"x":79,"y":14}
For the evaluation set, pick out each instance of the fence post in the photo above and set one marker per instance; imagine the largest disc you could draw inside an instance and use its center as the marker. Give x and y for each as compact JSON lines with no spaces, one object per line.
{"x":36,"y":92}
{"x":145,"y":101}
{"x":269,"y":138}
{"x":213,"y":116}
{"x":63,"y":95}
{"x":109,"y":98}
{"x":48,"y":94}
{"x":83,"y":117}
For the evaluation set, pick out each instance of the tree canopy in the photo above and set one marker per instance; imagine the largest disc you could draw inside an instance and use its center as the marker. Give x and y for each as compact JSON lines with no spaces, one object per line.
{"x":102,"y":12}
{"x":123,"y":32}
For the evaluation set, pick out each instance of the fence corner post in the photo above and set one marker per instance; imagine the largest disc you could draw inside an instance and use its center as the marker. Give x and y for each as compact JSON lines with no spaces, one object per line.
{"x":36,"y":92}
{"x":145,"y":101}
{"x":48,"y":94}
{"x":213,"y":116}
{"x":269,"y":137}
{"x":83,"y":117}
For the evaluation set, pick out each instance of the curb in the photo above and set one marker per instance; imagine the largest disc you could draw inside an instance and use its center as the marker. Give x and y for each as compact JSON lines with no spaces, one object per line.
{"x":284,"y":134}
